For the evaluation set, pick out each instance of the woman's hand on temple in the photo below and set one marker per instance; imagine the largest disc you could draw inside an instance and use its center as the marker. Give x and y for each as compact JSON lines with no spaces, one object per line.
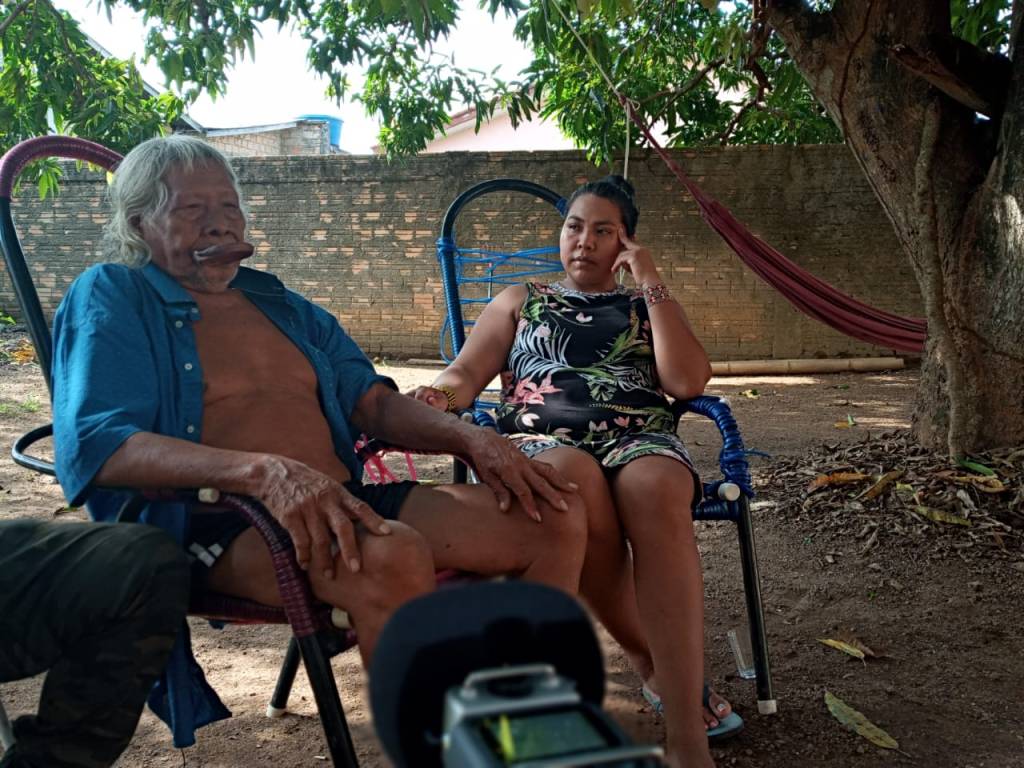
{"x":435,"y":398}
{"x":636,"y":260}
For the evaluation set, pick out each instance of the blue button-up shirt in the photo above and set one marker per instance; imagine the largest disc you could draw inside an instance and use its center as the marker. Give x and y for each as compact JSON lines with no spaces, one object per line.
{"x":125,"y":361}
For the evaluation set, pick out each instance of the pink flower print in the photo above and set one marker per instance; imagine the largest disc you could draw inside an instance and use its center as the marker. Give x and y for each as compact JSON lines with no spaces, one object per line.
{"x":543,"y":331}
{"x":528,"y":419}
{"x":622,"y":421}
{"x":581,"y":318}
{"x":528,"y":393}
{"x":602,"y":427}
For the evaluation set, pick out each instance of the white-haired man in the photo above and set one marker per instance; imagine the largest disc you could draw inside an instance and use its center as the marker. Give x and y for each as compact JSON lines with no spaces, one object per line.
{"x":172,"y":369}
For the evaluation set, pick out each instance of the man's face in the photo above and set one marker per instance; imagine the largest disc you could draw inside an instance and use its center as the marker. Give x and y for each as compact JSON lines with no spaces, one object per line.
{"x":202,"y":210}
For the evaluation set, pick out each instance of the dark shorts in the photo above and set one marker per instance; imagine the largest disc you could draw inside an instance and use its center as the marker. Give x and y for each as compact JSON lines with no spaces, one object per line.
{"x":211,"y":533}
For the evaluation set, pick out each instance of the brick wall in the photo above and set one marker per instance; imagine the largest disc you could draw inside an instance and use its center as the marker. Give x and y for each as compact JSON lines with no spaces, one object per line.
{"x":303,"y":138}
{"x":356,"y":235}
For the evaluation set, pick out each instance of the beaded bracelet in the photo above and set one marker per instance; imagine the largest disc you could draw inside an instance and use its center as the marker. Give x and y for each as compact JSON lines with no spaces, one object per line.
{"x":448,"y":393}
{"x":656,"y":294}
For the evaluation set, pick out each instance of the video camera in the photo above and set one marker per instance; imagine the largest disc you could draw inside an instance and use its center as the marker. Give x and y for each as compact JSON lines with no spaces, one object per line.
{"x":496,"y":674}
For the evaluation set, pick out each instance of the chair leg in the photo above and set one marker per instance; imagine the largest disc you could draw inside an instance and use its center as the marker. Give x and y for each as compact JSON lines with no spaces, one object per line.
{"x":328,"y":702}
{"x":766,"y":703}
{"x":285,"y":679}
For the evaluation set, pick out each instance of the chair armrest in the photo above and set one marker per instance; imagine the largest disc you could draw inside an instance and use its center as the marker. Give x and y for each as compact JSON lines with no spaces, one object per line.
{"x":21,"y":457}
{"x":732,"y":459}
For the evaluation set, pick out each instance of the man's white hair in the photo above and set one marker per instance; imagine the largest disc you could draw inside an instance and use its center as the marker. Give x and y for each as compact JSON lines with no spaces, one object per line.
{"x":139,"y":190}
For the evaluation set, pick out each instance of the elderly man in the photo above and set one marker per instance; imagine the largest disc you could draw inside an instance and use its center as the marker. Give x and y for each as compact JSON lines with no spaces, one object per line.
{"x":179,"y":368}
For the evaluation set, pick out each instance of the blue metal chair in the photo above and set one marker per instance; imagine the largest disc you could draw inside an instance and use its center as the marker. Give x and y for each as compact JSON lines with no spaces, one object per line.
{"x":314,"y":638}
{"x":470,"y":276}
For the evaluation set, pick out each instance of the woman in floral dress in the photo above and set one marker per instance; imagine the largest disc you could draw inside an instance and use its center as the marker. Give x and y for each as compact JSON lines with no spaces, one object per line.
{"x":586,"y":365}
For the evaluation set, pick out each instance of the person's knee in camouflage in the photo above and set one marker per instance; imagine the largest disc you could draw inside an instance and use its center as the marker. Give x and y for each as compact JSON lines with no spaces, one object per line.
{"x":99,"y":607}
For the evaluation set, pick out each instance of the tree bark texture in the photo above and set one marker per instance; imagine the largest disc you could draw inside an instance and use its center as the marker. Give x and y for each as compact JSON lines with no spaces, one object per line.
{"x":951,"y":181}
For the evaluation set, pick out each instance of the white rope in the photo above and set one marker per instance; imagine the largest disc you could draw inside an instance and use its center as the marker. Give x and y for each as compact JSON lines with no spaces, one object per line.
{"x":627,"y":104}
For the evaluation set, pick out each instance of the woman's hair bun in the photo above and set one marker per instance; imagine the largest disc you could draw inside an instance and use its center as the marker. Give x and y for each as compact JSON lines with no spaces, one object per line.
{"x":622,"y":183}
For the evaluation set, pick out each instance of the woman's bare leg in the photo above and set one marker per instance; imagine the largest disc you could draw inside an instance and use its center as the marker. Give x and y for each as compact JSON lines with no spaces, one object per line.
{"x":653,"y":496}
{"x":606,"y":582}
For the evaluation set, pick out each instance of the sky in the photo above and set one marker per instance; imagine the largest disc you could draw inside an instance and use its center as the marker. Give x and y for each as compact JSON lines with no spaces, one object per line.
{"x":278,"y":87}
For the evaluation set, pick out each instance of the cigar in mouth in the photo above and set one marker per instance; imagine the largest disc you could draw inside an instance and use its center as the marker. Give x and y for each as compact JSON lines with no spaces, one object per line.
{"x":224,"y":253}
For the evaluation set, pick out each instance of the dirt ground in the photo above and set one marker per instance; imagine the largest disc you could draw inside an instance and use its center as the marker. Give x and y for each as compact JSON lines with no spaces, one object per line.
{"x":942,"y":615}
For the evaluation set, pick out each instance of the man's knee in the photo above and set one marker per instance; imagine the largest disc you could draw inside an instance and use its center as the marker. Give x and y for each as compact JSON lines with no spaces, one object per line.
{"x":394,"y":568}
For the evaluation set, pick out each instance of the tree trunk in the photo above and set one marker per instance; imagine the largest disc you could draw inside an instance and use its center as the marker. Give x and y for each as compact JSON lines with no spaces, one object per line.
{"x":897,"y":82}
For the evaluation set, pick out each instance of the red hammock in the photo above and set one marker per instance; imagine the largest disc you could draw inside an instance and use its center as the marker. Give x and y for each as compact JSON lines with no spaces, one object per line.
{"x":803,"y":290}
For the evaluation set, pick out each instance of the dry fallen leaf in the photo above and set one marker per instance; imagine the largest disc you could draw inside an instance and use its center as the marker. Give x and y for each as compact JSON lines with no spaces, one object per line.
{"x":938,"y":516}
{"x":882,"y":484}
{"x":23,"y":354}
{"x":986,"y":484}
{"x":837,"y":478}
{"x":846,"y":648}
{"x":858,"y":723}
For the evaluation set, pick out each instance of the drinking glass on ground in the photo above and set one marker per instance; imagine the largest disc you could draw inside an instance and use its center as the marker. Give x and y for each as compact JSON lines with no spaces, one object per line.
{"x":739,"y":642}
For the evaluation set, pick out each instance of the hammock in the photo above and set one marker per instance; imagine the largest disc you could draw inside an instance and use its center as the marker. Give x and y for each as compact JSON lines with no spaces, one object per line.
{"x":803,"y":290}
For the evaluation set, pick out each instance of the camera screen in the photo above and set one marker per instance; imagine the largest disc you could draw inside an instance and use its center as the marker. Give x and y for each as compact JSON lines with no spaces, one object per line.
{"x":536,"y":735}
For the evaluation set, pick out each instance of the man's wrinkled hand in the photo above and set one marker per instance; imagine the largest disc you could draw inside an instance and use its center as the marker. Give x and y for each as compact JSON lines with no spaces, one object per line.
{"x":318,"y":512}
{"x":507,"y":472}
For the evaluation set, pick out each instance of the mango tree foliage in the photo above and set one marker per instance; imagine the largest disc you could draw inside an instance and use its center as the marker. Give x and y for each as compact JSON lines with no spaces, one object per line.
{"x":52,"y":80}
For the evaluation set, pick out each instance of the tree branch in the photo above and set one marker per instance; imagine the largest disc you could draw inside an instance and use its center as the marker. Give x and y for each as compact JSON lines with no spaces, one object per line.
{"x":16,"y":11}
{"x":984,"y":95}
{"x":692,"y":83}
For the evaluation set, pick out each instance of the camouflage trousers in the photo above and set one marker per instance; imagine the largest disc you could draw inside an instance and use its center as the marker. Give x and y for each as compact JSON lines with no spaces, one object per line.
{"x":99,"y":607}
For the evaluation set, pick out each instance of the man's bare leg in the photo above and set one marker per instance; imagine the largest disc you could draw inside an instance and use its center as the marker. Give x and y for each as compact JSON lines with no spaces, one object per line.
{"x":395,"y":569}
{"x":466,"y":531}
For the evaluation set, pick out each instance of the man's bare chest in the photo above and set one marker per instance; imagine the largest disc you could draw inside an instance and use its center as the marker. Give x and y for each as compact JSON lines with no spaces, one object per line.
{"x":242,"y":353}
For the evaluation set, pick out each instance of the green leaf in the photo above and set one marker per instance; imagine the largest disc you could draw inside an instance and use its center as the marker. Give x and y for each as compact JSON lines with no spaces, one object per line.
{"x":974,"y":466}
{"x":858,"y":723}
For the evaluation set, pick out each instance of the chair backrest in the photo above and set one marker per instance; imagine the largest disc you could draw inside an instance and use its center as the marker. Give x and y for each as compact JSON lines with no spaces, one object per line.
{"x":469,"y":275}
{"x":11,"y":164}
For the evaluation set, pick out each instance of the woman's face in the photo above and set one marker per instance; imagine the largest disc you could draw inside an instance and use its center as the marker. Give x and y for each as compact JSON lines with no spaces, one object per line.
{"x":590,"y":243}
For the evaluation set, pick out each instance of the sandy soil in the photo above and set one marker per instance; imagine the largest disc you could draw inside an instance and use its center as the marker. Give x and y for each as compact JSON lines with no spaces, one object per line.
{"x":944,"y":618}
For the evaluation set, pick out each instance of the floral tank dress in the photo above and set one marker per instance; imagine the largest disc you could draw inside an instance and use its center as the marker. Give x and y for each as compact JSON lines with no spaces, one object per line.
{"x":581,"y":373}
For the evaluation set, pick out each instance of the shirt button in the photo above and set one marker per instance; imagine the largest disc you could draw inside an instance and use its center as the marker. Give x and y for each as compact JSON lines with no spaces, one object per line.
{"x":178,"y":323}
{"x":188,"y":366}
{"x":190,"y":429}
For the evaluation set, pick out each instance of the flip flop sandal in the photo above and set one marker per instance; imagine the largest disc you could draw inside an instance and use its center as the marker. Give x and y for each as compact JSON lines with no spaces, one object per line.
{"x":727,"y":727}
